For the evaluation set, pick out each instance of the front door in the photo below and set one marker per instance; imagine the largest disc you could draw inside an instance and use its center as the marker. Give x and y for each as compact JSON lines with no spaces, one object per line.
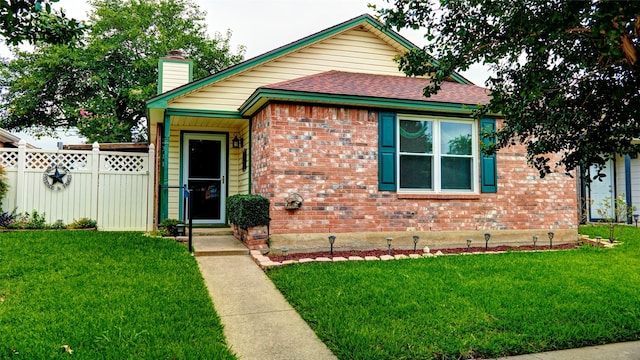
{"x":204,"y":171}
{"x":601,"y":193}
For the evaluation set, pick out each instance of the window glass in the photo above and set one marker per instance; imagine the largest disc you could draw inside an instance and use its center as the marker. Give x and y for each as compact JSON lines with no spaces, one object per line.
{"x":416,"y":136}
{"x":456,"y":173}
{"x":416,"y":172}
{"x":455,"y":138}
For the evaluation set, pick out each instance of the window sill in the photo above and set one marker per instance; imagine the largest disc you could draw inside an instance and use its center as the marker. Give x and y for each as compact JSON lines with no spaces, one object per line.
{"x":469,"y":197}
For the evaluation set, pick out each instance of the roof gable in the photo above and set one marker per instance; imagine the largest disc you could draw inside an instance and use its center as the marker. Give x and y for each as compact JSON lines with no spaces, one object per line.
{"x":366,"y":22}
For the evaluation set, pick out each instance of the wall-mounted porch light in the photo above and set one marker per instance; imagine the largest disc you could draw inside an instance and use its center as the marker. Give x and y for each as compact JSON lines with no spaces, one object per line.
{"x":237,"y":142}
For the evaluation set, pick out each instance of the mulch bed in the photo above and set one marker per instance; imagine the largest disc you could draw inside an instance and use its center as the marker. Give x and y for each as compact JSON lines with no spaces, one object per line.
{"x":378,"y":253}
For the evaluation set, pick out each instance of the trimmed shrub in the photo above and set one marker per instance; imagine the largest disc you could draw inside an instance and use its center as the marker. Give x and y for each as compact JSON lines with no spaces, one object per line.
{"x":169,"y":227}
{"x":245,"y":211}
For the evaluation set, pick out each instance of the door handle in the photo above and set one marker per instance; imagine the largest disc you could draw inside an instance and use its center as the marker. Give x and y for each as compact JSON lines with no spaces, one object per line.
{"x":223,"y":180}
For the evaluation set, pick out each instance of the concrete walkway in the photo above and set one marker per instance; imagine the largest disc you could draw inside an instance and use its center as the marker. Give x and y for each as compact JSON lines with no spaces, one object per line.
{"x":258,"y":322}
{"x":619,"y":351}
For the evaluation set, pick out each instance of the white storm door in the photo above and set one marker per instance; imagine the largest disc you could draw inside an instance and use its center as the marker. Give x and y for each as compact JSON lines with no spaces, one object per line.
{"x":204,"y":171}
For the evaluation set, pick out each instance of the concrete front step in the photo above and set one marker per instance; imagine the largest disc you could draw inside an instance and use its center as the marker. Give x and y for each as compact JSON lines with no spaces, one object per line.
{"x":211,"y":231}
{"x":218,"y":245}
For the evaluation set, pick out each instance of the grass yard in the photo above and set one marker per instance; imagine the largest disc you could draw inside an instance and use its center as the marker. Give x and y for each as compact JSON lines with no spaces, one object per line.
{"x":103,"y":296}
{"x":485,"y":306}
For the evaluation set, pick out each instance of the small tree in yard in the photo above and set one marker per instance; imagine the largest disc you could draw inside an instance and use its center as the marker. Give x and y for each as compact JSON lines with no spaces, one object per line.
{"x":614,"y":212}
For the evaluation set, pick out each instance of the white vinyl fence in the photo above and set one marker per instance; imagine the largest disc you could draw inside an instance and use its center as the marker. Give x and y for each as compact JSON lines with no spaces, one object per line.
{"x":113,"y":188}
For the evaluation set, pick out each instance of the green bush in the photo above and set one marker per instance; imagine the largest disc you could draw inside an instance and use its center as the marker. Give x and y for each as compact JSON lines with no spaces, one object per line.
{"x":169,"y":227}
{"x":248,"y":210}
{"x":84,"y":223}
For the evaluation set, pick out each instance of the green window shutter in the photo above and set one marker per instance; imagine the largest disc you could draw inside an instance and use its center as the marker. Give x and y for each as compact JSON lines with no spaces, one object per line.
{"x":489,"y":175}
{"x":387,"y":151}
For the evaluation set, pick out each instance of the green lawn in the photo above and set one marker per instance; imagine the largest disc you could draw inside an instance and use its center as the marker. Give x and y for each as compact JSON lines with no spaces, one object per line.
{"x":471,"y":306}
{"x":106,"y":296}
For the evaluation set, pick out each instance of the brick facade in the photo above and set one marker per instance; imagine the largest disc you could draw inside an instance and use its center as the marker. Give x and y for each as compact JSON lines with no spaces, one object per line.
{"x":328,"y":155}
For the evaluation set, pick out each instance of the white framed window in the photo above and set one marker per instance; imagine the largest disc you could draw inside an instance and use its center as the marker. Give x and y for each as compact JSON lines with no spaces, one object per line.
{"x":437,"y":154}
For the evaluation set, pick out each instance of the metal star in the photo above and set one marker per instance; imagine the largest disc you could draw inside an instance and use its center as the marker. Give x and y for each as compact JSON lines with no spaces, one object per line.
{"x":57,"y":177}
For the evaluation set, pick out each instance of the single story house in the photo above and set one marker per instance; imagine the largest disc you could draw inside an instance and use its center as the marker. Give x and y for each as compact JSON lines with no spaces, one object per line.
{"x":330,"y":121}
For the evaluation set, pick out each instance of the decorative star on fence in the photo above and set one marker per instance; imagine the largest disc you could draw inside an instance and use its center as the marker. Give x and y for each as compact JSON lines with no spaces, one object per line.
{"x":56,"y":177}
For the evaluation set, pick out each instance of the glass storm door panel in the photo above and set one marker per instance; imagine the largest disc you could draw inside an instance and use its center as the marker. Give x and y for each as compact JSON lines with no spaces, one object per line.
{"x":601,"y":195}
{"x":204,"y":171}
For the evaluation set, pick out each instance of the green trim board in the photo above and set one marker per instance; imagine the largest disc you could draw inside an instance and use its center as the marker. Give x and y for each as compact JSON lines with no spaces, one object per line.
{"x":164,"y":197}
{"x":161,"y":101}
{"x":262,"y":96}
{"x":161,"y":63}
{"x":205,"y":113}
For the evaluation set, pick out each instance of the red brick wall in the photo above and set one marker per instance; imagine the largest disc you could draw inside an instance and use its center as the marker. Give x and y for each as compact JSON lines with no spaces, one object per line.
{"x":328,"y":155}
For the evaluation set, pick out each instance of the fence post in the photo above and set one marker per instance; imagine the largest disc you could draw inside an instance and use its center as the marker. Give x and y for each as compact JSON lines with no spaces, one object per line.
{"x":20,"y":187}
{"x":95,"y":172}
{"x":151,"y":167}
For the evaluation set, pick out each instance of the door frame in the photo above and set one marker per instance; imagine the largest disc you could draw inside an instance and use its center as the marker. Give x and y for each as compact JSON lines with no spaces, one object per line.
{"x":185,"y":136}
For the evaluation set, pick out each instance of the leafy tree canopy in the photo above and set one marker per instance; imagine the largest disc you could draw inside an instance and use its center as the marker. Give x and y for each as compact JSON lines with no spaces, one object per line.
{"x":100,"y":83}
{"x":566,"y":72}
{"x":34,"y":20}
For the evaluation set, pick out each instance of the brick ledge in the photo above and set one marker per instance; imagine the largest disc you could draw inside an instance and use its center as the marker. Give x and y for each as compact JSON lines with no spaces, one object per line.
{"x":440,"y":196}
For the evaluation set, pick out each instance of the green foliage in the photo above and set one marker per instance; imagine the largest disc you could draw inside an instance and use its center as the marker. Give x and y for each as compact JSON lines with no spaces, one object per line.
{"x":6,"y":219}
{"x":4,"y":186}
{"x":100,"y":84}
{"x":107,"y":295}
{"x":83,"y":223}
{"x":34,"y":21}
{"x":33,"y":220}
{"x":463,"y":307}
{"x":169,"y":227}
{"x":248,"y":210}
{"x":565,"y":73}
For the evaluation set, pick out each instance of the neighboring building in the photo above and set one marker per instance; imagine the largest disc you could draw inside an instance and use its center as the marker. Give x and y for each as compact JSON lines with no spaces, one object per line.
{"x":8,"y":140}
{"x":621,"y":180}
{"x":331,"y":120}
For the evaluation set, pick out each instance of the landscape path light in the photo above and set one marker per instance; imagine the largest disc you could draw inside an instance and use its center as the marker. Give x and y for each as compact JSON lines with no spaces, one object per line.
{"x":415,"y":242}
{"x":332,"y":240}
{"x":469,"y":244}
{"x":635,"y":218}
{"x":285,"y":252}
{"x":550,"y":233}
{"x":535,"y":241}
{"x":487,"y":237}
{"x":598,"y":239}
{"x":389,"y":240}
